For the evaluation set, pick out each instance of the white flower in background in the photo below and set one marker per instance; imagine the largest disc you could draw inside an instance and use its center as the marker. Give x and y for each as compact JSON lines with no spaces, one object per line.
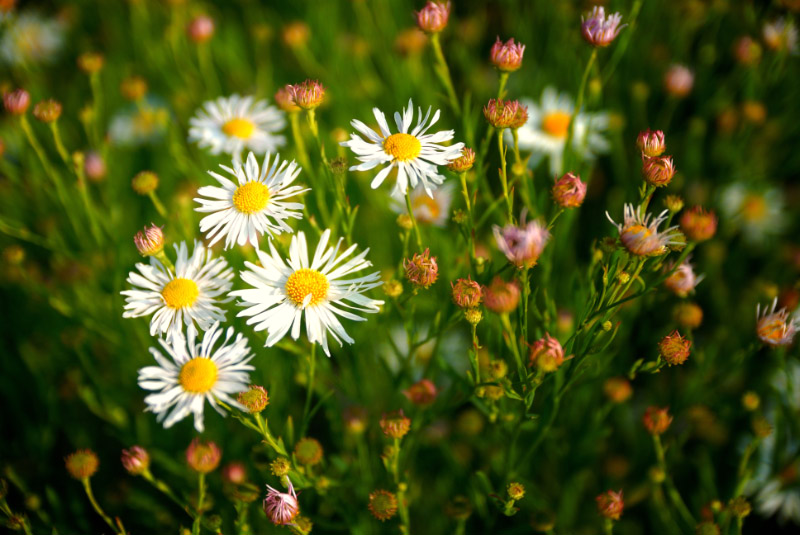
{"x":195,"y":372}
{"x":281,"y":294}
{"x":415,"y":154}
{"x":759,"y":214}
{"x":233,"y":124}
{"x":30,"y":38}
{"x":545,"y":133}
{"x":188,"y":295}
{"x":431,"y":210}
{"x":141,"y":123}
{"x":254,"y":205}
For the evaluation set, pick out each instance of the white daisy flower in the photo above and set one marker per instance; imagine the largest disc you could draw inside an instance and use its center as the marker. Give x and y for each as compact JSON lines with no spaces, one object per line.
{"x":197,"y":373}
{"x":416,"y":155}
{"x":31,"y":39}
{"x":432,"y":210}
{"x":281,"y":293}
{"x":545,"y":133}
{"x":759,"y":214}
{"x":235,"y":123}
{"x":138,"y":124}
{"x":190,"y":294}
{"x":255,"y":204}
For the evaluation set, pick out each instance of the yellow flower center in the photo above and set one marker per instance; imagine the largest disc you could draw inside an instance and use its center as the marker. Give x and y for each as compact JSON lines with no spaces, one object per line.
{"x":556,"y":123}
{"x":198,"y":376}
{"x":241,"y":128}
{"x":304,"y":282}
{"x":251,"y":197}
{"x":754,"y":208}
{"x":403,"y":147}
{"x":179,"y":293}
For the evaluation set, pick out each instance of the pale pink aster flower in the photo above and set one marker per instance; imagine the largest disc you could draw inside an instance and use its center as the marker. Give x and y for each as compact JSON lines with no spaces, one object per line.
{"x":651,"y":143}
{"x":522,"y":244}
{"x":546,"y":354}
{"x":281,"y":507}
{"x":679,"y":80}
{"x":776,"y":327}
{"x":149,"y":241}
{"x":683,"y":280}
{"x":433,"y":17}
{"x":501,"y":297}
{"x":569,"y":191}
{"x":599,"y":30}
{"x":136,"y":460}
{"x":307,"y":95}
{"x":16,"y":102}
{"x":507,"y":56}
{"x":658,"y":170}
{"x":640,"y":235}
{"x":505,"y":113}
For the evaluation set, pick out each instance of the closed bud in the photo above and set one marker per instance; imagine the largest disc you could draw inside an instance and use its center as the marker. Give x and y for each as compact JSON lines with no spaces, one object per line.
{"x":47,"y":111}
{"x":464,"y":162}
{"x":673,"y":203}
{"x":395,"y":424}
{"x":610,"y":504}
{"x":90,"y":62}
{"x":473,"y":315}
{"x":421,"y":270}
{"x":308,"y":451}
{"x":657,"y":420}
{"x":569,"y":191}
{"x":203,"y":457}
{"x":280,"y":467}
{"x":255,"y":399}
{"x":82,"y":464}
{"x":658,"y":170}
{"x":507,"y":57}
{"x":136,"y":460}
{"x":699,"y":224}
{"x":466,"y":293}
{"x":515,"y":490}
{"x":393,"y":288}
{"x":307,"y":95}
{"x":133,"y":88}
{"x":674,"y":348}
{"x":149,"y":241}
{"x":16,"y":102}
{"x":145,"y":182}
{"x":201,"y":29}
{"x":433,"y":17}
{"x":651,"y":143}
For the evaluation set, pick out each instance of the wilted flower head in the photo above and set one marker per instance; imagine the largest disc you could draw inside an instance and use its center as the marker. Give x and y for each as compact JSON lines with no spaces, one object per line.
{"x":641,"y":236}
{"x":203,"y":457}
{"x":599,"y":30}
{"x":423,"y":392}
{"x":466,"y":293}
{"x":149,"y":241}
{"x":255,"y":399}
{"x":308,"y":95}
{"x":395,"y":424}
{"x":610,"y":504}
{"x":283,"y":98}
{"x":651,"y":143}
{"x":464,"y":162}
{"x":699,"y":224}
{"x":674,"y":348}
{"x":657,"y":420}
{"x":47,"y":111}
{"x":569,"y":191}
{"x":136,"y":460}
{"x":507,"y":56}
{"x":683,"y":280}
{"x":658,"y":170}
{"x":776,"y":327}
{"x":504,"y":113}
{"x":16,"y":102}
{"x":501,"y":297}
{"x":617,"y":389}
{"x":82,"y":464}
{"x":546,"y":354}
{"x":522,"y":244}
{"x":234,"y":472}
{"x":433,"y":17}
{"x":382,"y":504}
{"x":678,"y":80}
{"x":781,"y":35}
{"x":200,"y":29}
{"x":281,"y":507}
{"x":421,"y":270}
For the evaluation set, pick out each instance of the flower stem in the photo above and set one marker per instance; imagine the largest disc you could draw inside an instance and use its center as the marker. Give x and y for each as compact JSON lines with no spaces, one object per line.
{"x":672,"y":492}
{"x":504,"y":176}
{"x":444,"y":73}
{"x":87,"y":486}
{"x":207,"y":68}
{"x":310,"y":387}
{"x":157,"y":203}
{"x":299,"y":143}
{"x":501,"y":89}
{"x":576,"y":111}
{"x":413,"y":220}
{"x":201,"y":496}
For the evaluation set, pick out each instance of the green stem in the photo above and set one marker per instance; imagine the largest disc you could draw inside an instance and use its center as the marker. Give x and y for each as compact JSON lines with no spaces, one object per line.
{"x":624,"y":41}
{"x":501,"y":88}
{"x":672,"y":491}
{"x":299,"y":142}
{"x":97,"y":99}
{"x":201,"y":496}
{"x":578,"y":105}
{"x":444,"y":73}
{"x":413,"y":219}
{"x":310,"y":388}
{"x":62,"y":151}
{"x":157,"y":203}
{"x":164,"y":489}
{"x":504,"y":176}
{"x":207,"y":68}
{"x":88,"y":488}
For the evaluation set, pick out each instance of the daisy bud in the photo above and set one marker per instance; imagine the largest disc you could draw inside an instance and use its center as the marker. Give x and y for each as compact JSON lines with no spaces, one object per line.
{"x":149,"y":241}
{"x":674,"y":348}
{"x":617,"y":389}
{"x":203,"y":457}
{"x":502,"y":113}
{"x":522,"y":244}
{"x":674,"y":203}
{"x":546,"y":354}
{"x":651,"y":143}
{"x":255,"y":399}
{"x":308,"y":451}
{"x":133,"y":87}
{"x":296,"y":34}
{"x":94,"y":166}
{"x":16,"y":102}
{"x":145,"y":182}
{"x":463,"y":163}
{"x":283,"y":98}
{"x":751,"y":401}
{"x":393,"y":288}
{"x":599,"y":30}
{"x":307,"y":95}
{"x":656,"y":420}
{"x":569,"y":191}
{"x":395,"y":424}
{"x":688,"y":315}
{"x":82,"y":464}
{"x":433,"y":17}
{"x":421,"y":270}
{"x":473,"y":315}
{"x":421,"y":393}
{"x":507,"y":57}
{"x":466,"y":293}
{"x":699,"y":224}
{"x":658,"y":170}
{"x":91,"y":62}
{"x":136,"y":460}
{"x":281,"y":507}
{"x":200,"y":29}
{"x":280,"y":466}
{"x":234,"y":473}
{"x":678,"y":81}
{"x":47,"y":111}
{"x":355,"y":420}
{"x":747,"y":51}
{"x":501,"y":297}
{"x":610,"y":504}
{"x":516,"y":491}
{"x":382,"y":504}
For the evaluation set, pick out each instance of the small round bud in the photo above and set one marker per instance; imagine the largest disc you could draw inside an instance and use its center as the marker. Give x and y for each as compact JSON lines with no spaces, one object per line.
{"x":751,"y":401}
{"x":464,"y":162}
{"x":149,"y":241}
{"x":393,"y":288}
{"x":355,"y":420}
{"x":295,"y":34}
{"x":569,"y":191}
{"x":505,"y":113}
{"x":747,"y":50}
{"x":308,"y":451}
{"x":607,"y":325}
{"x":421,"y":393}
{"x":47,"y":111}
{"x":307,"y":95}
{"x":280,"y":466}
{"x":473,"y":315}
{"x":658,"y":170}
{"x":91,"y":62}
{"x":507,"y":57}
{"x":405,"y":222}
{"x":466,"y":293}
{"x":421,"y":270}
{"x":501,"y":297}
{"x":657,"y":475}
{"x":657,"y":420}
{"x":673,"y":203}
{"x":433,"y":17}
{"x":382,"y":504}
{"x":546,"y":354}
{"x":94,"y":166}
{"x":136,"y":460}
{"x":651,"y":143}
{"x":688,"y":315}
{"x":740,"y":507}
{"x":674,"y":348}
{"x":203,"y":457}
{"x":234,"y":473}
{"x":82,"y":464}
{"x":133,"y":88}
{"x":255,"y":399}
{"x":200,"y":29}
{"x":678,"y":81}
{"x":610,"y":504}
{"x":395,"y":424}
{"x":618,"y":389}
{"x":624,"y":277}
{"x":145,"y":182}
{"x":699,"y":224}
{"x":498,"y":369}
{"x":16,"y":102}
{"x":515,"y":490}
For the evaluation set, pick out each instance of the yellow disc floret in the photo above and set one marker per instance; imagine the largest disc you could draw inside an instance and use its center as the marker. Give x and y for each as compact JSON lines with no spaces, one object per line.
{"x":180,"y":293}
{"x":198,"y":376}
{"x":305,"y":282}
{"x":251,"y":197}
{"x":241,"y":128}
{"x":556,"y":123}
{"x":403,"y":147}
